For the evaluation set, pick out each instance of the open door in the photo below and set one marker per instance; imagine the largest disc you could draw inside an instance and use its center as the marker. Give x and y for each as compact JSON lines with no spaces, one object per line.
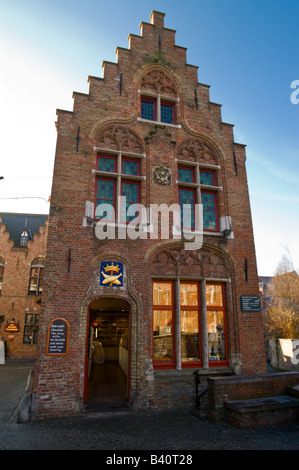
{"x":107,"y":355}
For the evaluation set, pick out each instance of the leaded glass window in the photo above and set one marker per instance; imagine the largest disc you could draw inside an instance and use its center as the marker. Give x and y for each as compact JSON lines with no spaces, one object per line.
{"x":125,"y":182}
{"x":167,"y":113}
{"x":148,"y":109}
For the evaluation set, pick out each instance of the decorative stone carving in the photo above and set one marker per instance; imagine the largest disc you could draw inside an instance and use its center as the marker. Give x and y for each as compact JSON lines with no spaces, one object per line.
{"x":164,"y":263}
{"x":196,"y":263}
{"x":215,"y":266}
{"x":191,"y":263}
{"x":195,"y":150}
{"x":159,"y":82}
{"x":119,"y":137}
{"x":162,"y":175}
{"x":161,"y":131}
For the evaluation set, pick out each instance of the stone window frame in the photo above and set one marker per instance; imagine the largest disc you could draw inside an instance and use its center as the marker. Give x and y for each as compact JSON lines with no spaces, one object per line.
{"x":199,"y":188}
{"x":203,"y":362}
{"x":37,"y":264}
{"x":159,"y":99}
{"x":118,"y":176}
{"x":31,"y":328}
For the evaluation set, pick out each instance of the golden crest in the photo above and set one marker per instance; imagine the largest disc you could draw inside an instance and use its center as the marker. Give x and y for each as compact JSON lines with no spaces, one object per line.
{"x":112,"y":268}
{"x":112,"y":275}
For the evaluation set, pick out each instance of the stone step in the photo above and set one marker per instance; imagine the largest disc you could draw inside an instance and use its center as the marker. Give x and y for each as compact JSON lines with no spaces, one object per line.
{"x":267,"y":411}
{"x":261,"y":404}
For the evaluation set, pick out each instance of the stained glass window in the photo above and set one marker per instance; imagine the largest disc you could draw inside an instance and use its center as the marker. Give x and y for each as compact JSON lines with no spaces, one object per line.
{"x":186,"y":175}
{"x":187,"y":198}
{"x":130,"y":167}
{"x":207,"y":177}
{"x":105,"y":195}
{"x":130,"y":191}
{"x":167,"y":111}
{"x":209,"y":210}
{"x":109,"y":188}
{"x":148,"y":109}
{"x":107,"y":164}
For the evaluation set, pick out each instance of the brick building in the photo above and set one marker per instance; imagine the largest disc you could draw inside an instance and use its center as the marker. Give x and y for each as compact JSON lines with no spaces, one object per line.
{"x":23,"y":239}
{"x":146,"y":309}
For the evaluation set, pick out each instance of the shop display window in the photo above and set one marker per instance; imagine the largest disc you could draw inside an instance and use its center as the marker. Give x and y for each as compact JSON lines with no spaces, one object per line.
{"x":190,"y":325}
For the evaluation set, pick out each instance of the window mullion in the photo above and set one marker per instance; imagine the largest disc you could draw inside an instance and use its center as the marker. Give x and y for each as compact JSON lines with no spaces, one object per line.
{"x":177,"y":323}
{"x":197,"y":179}
{"x":204,"y":325}
{"x":37,"y":281}
{"x":118,"y":188}
{"x":158,"y":110}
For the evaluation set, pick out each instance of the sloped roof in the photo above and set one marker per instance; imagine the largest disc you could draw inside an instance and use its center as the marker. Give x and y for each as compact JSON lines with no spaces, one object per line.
{"x":266,"y":280}
{"x":15,"y":223}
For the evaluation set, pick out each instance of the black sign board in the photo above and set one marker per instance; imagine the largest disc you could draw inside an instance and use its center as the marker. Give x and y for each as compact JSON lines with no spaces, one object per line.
{"x":58,"y":337}
{"x":250,"y":303}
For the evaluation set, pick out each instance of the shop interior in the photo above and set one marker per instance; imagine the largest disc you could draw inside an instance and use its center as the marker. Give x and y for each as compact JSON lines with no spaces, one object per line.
{"x":108,"y":354}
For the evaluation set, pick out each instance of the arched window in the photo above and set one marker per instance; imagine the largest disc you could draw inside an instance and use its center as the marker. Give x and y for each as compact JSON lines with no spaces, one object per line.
{"x":158,"y":97}
{"x":189,"y":308}
{"x":198,"y":183}
{"x":118,"y":174}
{"x":36,"y":277}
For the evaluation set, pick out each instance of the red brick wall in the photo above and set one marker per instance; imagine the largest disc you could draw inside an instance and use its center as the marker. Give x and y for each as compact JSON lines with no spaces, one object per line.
{"x":110,"y":120}
{"x":14,"y":300}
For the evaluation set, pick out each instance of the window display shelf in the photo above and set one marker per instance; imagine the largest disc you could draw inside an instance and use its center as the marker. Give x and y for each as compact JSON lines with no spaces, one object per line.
{"x":111,"y":329}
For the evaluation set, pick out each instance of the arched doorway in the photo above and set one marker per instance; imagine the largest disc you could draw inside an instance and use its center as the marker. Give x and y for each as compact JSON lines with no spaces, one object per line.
{"x":107,"y":355}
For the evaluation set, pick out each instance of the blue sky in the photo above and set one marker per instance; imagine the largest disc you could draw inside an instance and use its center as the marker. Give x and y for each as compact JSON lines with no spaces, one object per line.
{"x":246,"y":50}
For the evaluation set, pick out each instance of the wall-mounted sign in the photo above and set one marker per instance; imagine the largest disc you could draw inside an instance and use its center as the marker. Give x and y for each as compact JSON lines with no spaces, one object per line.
{"x":250,"y":303}
{"x":111,"y":273}
{"x":58,"y":337}
{"x":12,"y":327}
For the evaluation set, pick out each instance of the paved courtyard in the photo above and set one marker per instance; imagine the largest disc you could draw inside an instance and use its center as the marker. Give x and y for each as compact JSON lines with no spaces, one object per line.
{"x":127,"y":431}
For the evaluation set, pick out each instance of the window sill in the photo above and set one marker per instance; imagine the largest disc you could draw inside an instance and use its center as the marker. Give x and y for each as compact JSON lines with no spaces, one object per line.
{"x":116,"y":175}
{"x":159,"y":123}
{"x":147,"y":228}
{"x":178,"y":231}
{"x":214,"y":370}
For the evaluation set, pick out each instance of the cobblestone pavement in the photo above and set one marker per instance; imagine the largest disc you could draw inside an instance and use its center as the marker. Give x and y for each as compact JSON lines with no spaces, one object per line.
{"x":122,"y":431}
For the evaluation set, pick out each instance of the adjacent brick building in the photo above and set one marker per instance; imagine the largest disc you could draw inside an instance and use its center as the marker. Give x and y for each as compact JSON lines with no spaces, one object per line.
{"x":156,"y":305}
{"x":23,"y":239}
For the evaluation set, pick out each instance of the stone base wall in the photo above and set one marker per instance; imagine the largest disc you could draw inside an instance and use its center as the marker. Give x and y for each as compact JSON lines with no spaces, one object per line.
{"x":222,"y":389}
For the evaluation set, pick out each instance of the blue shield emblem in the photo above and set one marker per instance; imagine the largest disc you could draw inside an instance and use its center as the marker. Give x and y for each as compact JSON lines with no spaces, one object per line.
{"x":111,"y":273}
